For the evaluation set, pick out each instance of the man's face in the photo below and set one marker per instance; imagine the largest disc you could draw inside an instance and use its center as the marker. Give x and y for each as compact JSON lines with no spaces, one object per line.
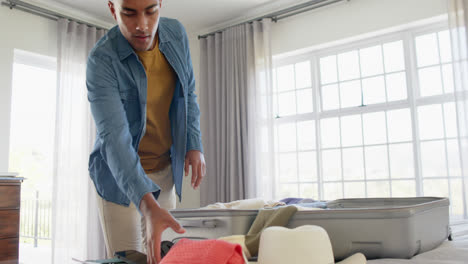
{"x":138,"y":21}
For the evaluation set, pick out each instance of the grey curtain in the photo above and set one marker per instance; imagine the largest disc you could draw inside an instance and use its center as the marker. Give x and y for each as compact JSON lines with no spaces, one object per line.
{"x":458,"y":22}
{"x":235,"y":100}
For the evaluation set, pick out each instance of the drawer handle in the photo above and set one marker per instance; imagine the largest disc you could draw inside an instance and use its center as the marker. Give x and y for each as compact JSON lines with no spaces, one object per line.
{"x":199,"y":223}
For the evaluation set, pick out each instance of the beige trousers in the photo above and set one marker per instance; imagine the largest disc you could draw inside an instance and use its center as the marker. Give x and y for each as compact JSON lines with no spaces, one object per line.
{"x":123,"y":227}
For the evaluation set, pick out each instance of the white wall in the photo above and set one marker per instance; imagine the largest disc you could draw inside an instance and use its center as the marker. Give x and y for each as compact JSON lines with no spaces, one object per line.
{"x":348,"y":19}
{"x":28,"y":32}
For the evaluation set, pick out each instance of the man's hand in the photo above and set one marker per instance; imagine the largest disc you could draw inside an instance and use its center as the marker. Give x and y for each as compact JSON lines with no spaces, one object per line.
{"x":157,"y":219}
{"x":197,"y":160}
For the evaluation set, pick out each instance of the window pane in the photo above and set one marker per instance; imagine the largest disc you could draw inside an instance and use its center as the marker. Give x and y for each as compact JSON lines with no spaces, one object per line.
{"x":287,"y":137}
{"x":353,"y":164}
{"x":399,"y":125}
{"x":330,"y":97}
{"x":396,"y":86}
{"x":453,"y":153}
{"x":431,"y":125}
{"x":430,"y":82}
{"x":332,"y":191}
{"x":447,"y":73}
{"x":287,"y":190}
{"x":355,"y":190}
{"x":393,"y":55}
{"x":348,"y":65}
{"x":371,"y":61}
{"x":401,"y":161}
{"x":433,"y":159}
{"x":331,"y":165}
{"x":285,"y":76}
{"x":330,"y":132}
{"x":403,"y":189}
{"x":437,"y":188}
{"x":328,"y":71}
{"x":307,"y":166}
{"x":303,"y":78}
{"x":309,"y":191}
{"x":376,"y":189}
{"x":445,"y":46}
{"x":450,"y":114}
{"x":374,"y":128}
{"x":287,"y":167}
{"x":287,"y":103}
{"x":304,"y":101}
{"x":351,"y":131}
{"x":350,"y":93}
{"x":376,"y":162}
{"x":374,"y":90}
{"x":426,"y":50}
{"x":306,"y":135}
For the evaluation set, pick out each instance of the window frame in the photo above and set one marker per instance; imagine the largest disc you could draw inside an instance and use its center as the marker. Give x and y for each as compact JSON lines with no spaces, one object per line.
{"x":412,"y":103}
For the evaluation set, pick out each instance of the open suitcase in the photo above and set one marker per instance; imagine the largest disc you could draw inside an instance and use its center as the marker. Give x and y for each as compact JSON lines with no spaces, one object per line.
{"x":376,"y":227}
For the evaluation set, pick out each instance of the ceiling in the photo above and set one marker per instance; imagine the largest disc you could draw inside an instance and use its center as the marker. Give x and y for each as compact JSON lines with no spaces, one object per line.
{"x":198,"y":16}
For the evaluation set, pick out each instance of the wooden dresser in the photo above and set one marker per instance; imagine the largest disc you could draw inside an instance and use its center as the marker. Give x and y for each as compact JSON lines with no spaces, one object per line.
{"x":10,"y":199}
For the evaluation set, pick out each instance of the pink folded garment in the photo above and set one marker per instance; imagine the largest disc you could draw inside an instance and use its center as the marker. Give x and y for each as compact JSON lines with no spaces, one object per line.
{"x":210,"y":251}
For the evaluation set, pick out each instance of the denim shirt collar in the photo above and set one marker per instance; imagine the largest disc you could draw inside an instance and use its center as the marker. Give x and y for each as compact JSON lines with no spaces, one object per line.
{"x":124,"y":47}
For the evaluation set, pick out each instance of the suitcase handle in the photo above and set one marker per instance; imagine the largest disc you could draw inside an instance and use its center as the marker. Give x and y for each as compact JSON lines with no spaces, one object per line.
{"x":199,"y":223}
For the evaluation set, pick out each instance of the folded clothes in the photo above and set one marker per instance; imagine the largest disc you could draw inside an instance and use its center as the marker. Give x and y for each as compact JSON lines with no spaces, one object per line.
{"x":291,"y":200}
{"x":204,"y":252}
{"x":306,"y":202}
{"x":318,"y":205}
{"x":247,"y":204}
{"x":265,"y":218}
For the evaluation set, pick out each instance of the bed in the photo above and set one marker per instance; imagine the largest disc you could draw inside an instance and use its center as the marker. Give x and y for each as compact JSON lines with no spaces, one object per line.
{"x":450,"y":252}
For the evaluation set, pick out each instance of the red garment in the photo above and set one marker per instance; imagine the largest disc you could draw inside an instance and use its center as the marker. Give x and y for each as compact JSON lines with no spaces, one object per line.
{"x":204,"y":252}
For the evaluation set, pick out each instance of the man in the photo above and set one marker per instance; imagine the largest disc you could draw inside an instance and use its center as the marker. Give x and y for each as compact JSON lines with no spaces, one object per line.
{"x":141,"y":91}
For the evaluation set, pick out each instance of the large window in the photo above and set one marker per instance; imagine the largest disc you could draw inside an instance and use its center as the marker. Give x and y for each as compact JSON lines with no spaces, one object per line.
{"x":32,"y":131}
{"x":374,"y":118}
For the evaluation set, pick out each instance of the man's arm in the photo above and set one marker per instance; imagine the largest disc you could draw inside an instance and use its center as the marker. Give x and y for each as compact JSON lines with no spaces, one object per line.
{"x":113,"y":130}
{"x":194,"y":155}
{"x":194,"y":141}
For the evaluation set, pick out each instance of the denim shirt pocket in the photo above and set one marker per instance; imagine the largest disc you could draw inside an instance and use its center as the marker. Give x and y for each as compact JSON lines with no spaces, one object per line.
{"x":131,"y":104}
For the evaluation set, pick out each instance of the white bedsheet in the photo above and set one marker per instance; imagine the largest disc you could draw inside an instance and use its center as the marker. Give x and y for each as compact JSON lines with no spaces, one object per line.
{"x":450,"y":252}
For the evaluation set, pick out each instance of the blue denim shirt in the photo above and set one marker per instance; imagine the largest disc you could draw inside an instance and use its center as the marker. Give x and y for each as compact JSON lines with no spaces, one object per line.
{"x":117,"y":87}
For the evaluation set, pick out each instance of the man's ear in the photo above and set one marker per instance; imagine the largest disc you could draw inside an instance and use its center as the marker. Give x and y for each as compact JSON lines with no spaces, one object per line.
{"x":112,"y":9}
{"x":160,"y":3}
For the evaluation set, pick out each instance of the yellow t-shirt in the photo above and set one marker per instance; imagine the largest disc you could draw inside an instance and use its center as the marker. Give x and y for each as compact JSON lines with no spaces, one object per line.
{"x":154,"y":149}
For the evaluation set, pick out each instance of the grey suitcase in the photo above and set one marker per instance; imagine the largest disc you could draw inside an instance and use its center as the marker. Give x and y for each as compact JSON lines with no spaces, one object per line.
{"x":376,"y":227}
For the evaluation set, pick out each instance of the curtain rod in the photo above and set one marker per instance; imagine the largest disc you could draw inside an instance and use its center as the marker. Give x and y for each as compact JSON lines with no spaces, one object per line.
{"x":288,"y":12}
{"x":49,"y":14}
